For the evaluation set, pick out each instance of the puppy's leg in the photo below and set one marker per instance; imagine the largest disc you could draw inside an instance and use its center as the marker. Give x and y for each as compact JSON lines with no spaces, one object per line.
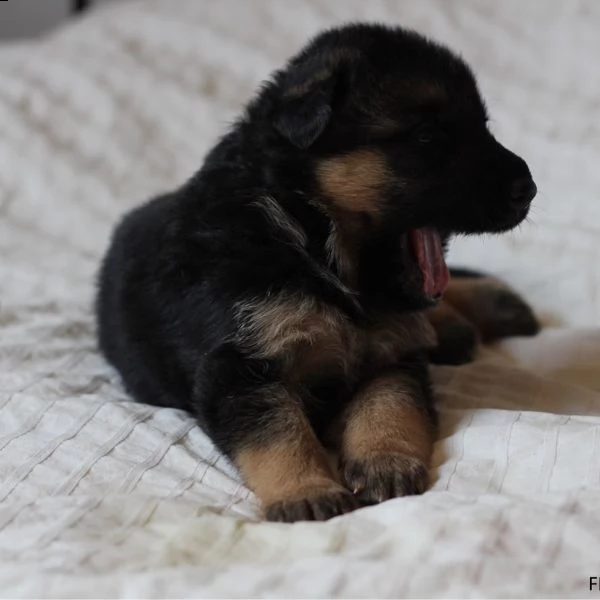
{"x":456,"y":337}
{"x":261,"y":426}
{"x":491,"y":306}
{"x":388,"y":437}
{"x":290,"y":473}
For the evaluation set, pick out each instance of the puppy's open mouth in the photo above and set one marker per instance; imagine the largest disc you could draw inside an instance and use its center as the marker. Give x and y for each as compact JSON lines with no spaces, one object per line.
{"x":428,"y":252}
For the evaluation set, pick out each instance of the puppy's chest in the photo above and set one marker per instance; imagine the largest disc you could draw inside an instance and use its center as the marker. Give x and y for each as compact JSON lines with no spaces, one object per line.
{"x":314,"y":341}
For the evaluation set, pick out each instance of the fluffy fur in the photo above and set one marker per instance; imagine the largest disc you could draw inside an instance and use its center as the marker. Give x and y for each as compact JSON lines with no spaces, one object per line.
{"x":275,"y":295}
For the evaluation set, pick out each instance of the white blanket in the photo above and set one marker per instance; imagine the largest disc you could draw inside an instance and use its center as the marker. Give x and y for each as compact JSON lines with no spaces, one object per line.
{"x":103,"y":497}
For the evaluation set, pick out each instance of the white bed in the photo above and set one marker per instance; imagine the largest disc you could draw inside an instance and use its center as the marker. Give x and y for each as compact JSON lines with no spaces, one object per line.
{"x":103,"y":497}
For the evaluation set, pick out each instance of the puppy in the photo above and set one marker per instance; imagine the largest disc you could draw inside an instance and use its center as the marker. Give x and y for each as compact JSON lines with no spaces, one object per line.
{"x":285,"y":294}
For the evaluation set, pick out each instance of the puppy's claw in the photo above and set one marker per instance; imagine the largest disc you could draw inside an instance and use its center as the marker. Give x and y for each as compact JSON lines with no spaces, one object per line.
{"x":385,"y":476}
{"x":317,"y":506}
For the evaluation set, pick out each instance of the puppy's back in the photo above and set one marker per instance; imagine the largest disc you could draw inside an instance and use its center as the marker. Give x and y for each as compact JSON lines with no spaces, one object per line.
{"x":128,"y":305}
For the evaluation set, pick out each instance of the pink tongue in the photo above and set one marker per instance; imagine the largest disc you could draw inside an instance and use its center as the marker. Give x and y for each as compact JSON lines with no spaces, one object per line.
{"x":427,"y":246}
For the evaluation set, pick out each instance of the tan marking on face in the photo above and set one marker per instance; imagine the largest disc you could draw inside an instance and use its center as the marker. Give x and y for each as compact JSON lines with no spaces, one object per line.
{"x":355,"y":182}
{"x":384,"y":418}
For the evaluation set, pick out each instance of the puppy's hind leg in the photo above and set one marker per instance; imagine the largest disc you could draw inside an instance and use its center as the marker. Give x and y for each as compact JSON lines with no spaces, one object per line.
{"x":457,"y":338}
{"x":496,"y":310}
{"x":261,"y":426}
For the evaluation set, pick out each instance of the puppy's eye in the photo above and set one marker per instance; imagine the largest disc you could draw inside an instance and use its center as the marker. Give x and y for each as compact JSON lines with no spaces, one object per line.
{"x":425,"y":134}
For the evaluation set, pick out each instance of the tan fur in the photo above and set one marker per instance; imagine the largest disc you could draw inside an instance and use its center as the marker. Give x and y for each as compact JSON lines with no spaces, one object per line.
{"x":393,"y":336}
{"x":291,"y":466}
{"x":303,"y":332}
{"x":444,"y":314}
{"x":383,"y":419}
{"x":355,"y":182}
{"x":492,"y":307}
{"x":441,"y":314}
{"x":313,"y":339}
{"x":473,"y":299}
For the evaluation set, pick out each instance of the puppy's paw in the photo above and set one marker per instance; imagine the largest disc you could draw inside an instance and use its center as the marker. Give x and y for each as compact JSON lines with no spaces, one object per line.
{"x":495,"y":310}
{"x":385,"y":476}
{"x":505,"y":314}
{"x":319,"y":505}
{"x":457,"y":343}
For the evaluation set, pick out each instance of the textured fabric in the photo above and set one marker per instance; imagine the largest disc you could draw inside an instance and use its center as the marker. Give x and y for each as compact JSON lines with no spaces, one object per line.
{"x":102,"y":497}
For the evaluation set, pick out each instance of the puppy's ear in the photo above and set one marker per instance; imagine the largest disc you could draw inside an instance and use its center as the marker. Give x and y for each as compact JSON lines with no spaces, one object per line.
{"x":308,"y":89}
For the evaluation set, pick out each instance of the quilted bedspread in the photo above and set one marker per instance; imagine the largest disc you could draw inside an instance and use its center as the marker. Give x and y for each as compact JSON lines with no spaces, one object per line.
{"x":102,"y":497}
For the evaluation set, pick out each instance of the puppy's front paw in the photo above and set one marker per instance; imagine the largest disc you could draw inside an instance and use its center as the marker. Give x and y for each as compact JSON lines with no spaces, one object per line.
{"x":318,"y":505}
{"x":385,"y":476}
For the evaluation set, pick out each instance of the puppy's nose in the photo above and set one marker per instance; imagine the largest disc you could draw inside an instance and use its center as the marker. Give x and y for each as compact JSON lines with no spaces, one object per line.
{"x":523,"y":190}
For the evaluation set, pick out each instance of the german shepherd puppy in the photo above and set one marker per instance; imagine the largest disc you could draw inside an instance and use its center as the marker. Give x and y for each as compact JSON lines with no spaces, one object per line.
{"x":288,"y":294}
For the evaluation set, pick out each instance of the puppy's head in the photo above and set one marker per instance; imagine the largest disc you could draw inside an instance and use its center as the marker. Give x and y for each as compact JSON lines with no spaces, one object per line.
{"x":396,"y":134}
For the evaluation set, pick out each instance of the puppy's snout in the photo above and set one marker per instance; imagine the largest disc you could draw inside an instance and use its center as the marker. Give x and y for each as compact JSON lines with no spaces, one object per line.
{"x":523,"y":191}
